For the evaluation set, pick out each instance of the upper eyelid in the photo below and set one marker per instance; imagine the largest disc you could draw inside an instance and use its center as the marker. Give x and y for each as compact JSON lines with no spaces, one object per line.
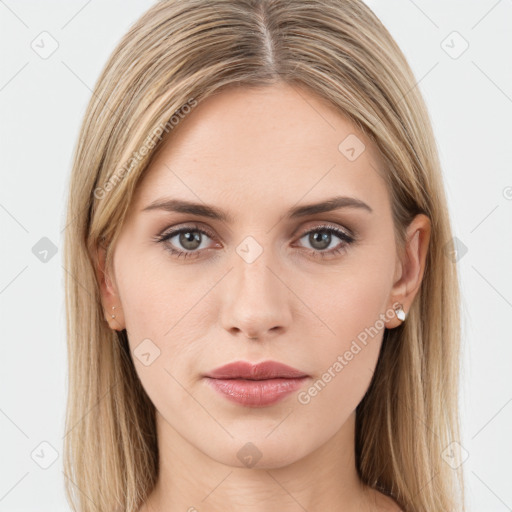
{"x":328,"y":225}
{"x":171,"y":232}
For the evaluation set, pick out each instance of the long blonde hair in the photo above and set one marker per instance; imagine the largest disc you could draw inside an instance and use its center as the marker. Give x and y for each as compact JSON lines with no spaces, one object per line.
{"x":177,"y":54}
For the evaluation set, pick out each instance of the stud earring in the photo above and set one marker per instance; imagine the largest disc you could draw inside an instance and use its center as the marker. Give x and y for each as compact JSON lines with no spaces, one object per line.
{"x":112,"y":315}
{"x":400,"y":313}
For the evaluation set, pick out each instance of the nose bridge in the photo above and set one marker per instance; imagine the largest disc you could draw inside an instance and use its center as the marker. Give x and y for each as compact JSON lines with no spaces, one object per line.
{"x":255,"y":277}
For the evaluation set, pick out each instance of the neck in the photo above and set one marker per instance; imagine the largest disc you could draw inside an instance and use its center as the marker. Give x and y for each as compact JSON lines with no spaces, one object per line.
{"x":324,"y":479}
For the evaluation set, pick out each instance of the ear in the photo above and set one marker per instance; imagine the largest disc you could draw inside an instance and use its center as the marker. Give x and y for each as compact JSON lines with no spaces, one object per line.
{"x":110,"y":299}
{"x":411,"y":266}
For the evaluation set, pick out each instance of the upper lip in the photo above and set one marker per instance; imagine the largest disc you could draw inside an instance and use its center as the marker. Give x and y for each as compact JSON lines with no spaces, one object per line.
{"x":260,"y":371}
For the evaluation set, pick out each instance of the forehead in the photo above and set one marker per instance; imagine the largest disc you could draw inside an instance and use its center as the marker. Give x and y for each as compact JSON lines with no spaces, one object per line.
{"x":251,"y":147}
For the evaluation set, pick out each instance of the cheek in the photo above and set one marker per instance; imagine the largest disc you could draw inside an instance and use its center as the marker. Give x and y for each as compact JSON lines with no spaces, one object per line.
{"x":151,"y":294}
{"x":345,"y":366}
{"x":351,"y":304}
{"x":164,"y":322}
{"x":352,"y":297}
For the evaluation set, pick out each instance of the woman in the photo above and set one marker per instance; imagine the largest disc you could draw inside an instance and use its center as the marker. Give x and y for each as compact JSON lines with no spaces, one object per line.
{"x":262,"y":310}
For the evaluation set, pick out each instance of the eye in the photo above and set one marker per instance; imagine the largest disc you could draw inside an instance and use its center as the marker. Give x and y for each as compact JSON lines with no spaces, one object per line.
{"x":321,"y":238}
{"x":190,"y":238}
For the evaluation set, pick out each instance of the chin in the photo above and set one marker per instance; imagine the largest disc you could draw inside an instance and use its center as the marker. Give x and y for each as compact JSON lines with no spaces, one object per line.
{"x":260,"y":452}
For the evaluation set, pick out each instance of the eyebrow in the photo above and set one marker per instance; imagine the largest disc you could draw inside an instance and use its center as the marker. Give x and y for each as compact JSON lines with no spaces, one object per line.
{"x":204,"y":210}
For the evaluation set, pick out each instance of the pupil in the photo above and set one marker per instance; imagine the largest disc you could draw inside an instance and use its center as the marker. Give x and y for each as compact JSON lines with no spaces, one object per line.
{"x":189,"y":239}
{"x":325,"y":239}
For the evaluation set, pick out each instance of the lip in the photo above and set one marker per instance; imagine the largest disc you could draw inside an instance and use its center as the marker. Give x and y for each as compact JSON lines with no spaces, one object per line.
{"x":257,"y":385}
{"x":260,"y":371}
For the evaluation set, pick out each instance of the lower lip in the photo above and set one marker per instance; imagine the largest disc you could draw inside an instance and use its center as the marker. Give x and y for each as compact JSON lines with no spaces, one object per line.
{"x":256,"y":393}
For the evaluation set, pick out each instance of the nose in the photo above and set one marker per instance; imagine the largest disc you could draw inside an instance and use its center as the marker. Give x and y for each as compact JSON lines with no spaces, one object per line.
{"x":255,"y":301}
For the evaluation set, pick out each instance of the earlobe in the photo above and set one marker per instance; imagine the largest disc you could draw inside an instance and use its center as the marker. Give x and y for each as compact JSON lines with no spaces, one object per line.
{"x":413,"y":267}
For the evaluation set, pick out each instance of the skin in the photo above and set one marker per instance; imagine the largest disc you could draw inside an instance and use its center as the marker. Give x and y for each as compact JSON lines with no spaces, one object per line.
{"x":255,"y":153}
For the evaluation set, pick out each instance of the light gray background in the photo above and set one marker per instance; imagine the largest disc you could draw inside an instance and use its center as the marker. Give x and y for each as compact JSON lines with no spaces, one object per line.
{"x":42,"y":102}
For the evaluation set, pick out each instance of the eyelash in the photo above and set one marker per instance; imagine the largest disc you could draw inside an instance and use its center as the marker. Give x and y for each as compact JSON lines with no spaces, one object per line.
{"x":346,"y":240}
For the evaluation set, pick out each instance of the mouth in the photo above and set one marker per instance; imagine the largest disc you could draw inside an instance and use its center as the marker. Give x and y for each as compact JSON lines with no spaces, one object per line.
{"x":258,"y":385}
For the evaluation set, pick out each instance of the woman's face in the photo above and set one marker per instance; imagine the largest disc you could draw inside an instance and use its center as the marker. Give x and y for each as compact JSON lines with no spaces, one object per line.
{"x":315,"y":289}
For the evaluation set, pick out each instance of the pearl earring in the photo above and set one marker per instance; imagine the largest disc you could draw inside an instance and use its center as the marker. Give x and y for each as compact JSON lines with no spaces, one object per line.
{"x":400,"y":313}
{"x":113,"y":316}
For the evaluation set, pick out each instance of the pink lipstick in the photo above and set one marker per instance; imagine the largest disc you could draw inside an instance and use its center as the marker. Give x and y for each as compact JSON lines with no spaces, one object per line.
{"x":257,"y":385}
